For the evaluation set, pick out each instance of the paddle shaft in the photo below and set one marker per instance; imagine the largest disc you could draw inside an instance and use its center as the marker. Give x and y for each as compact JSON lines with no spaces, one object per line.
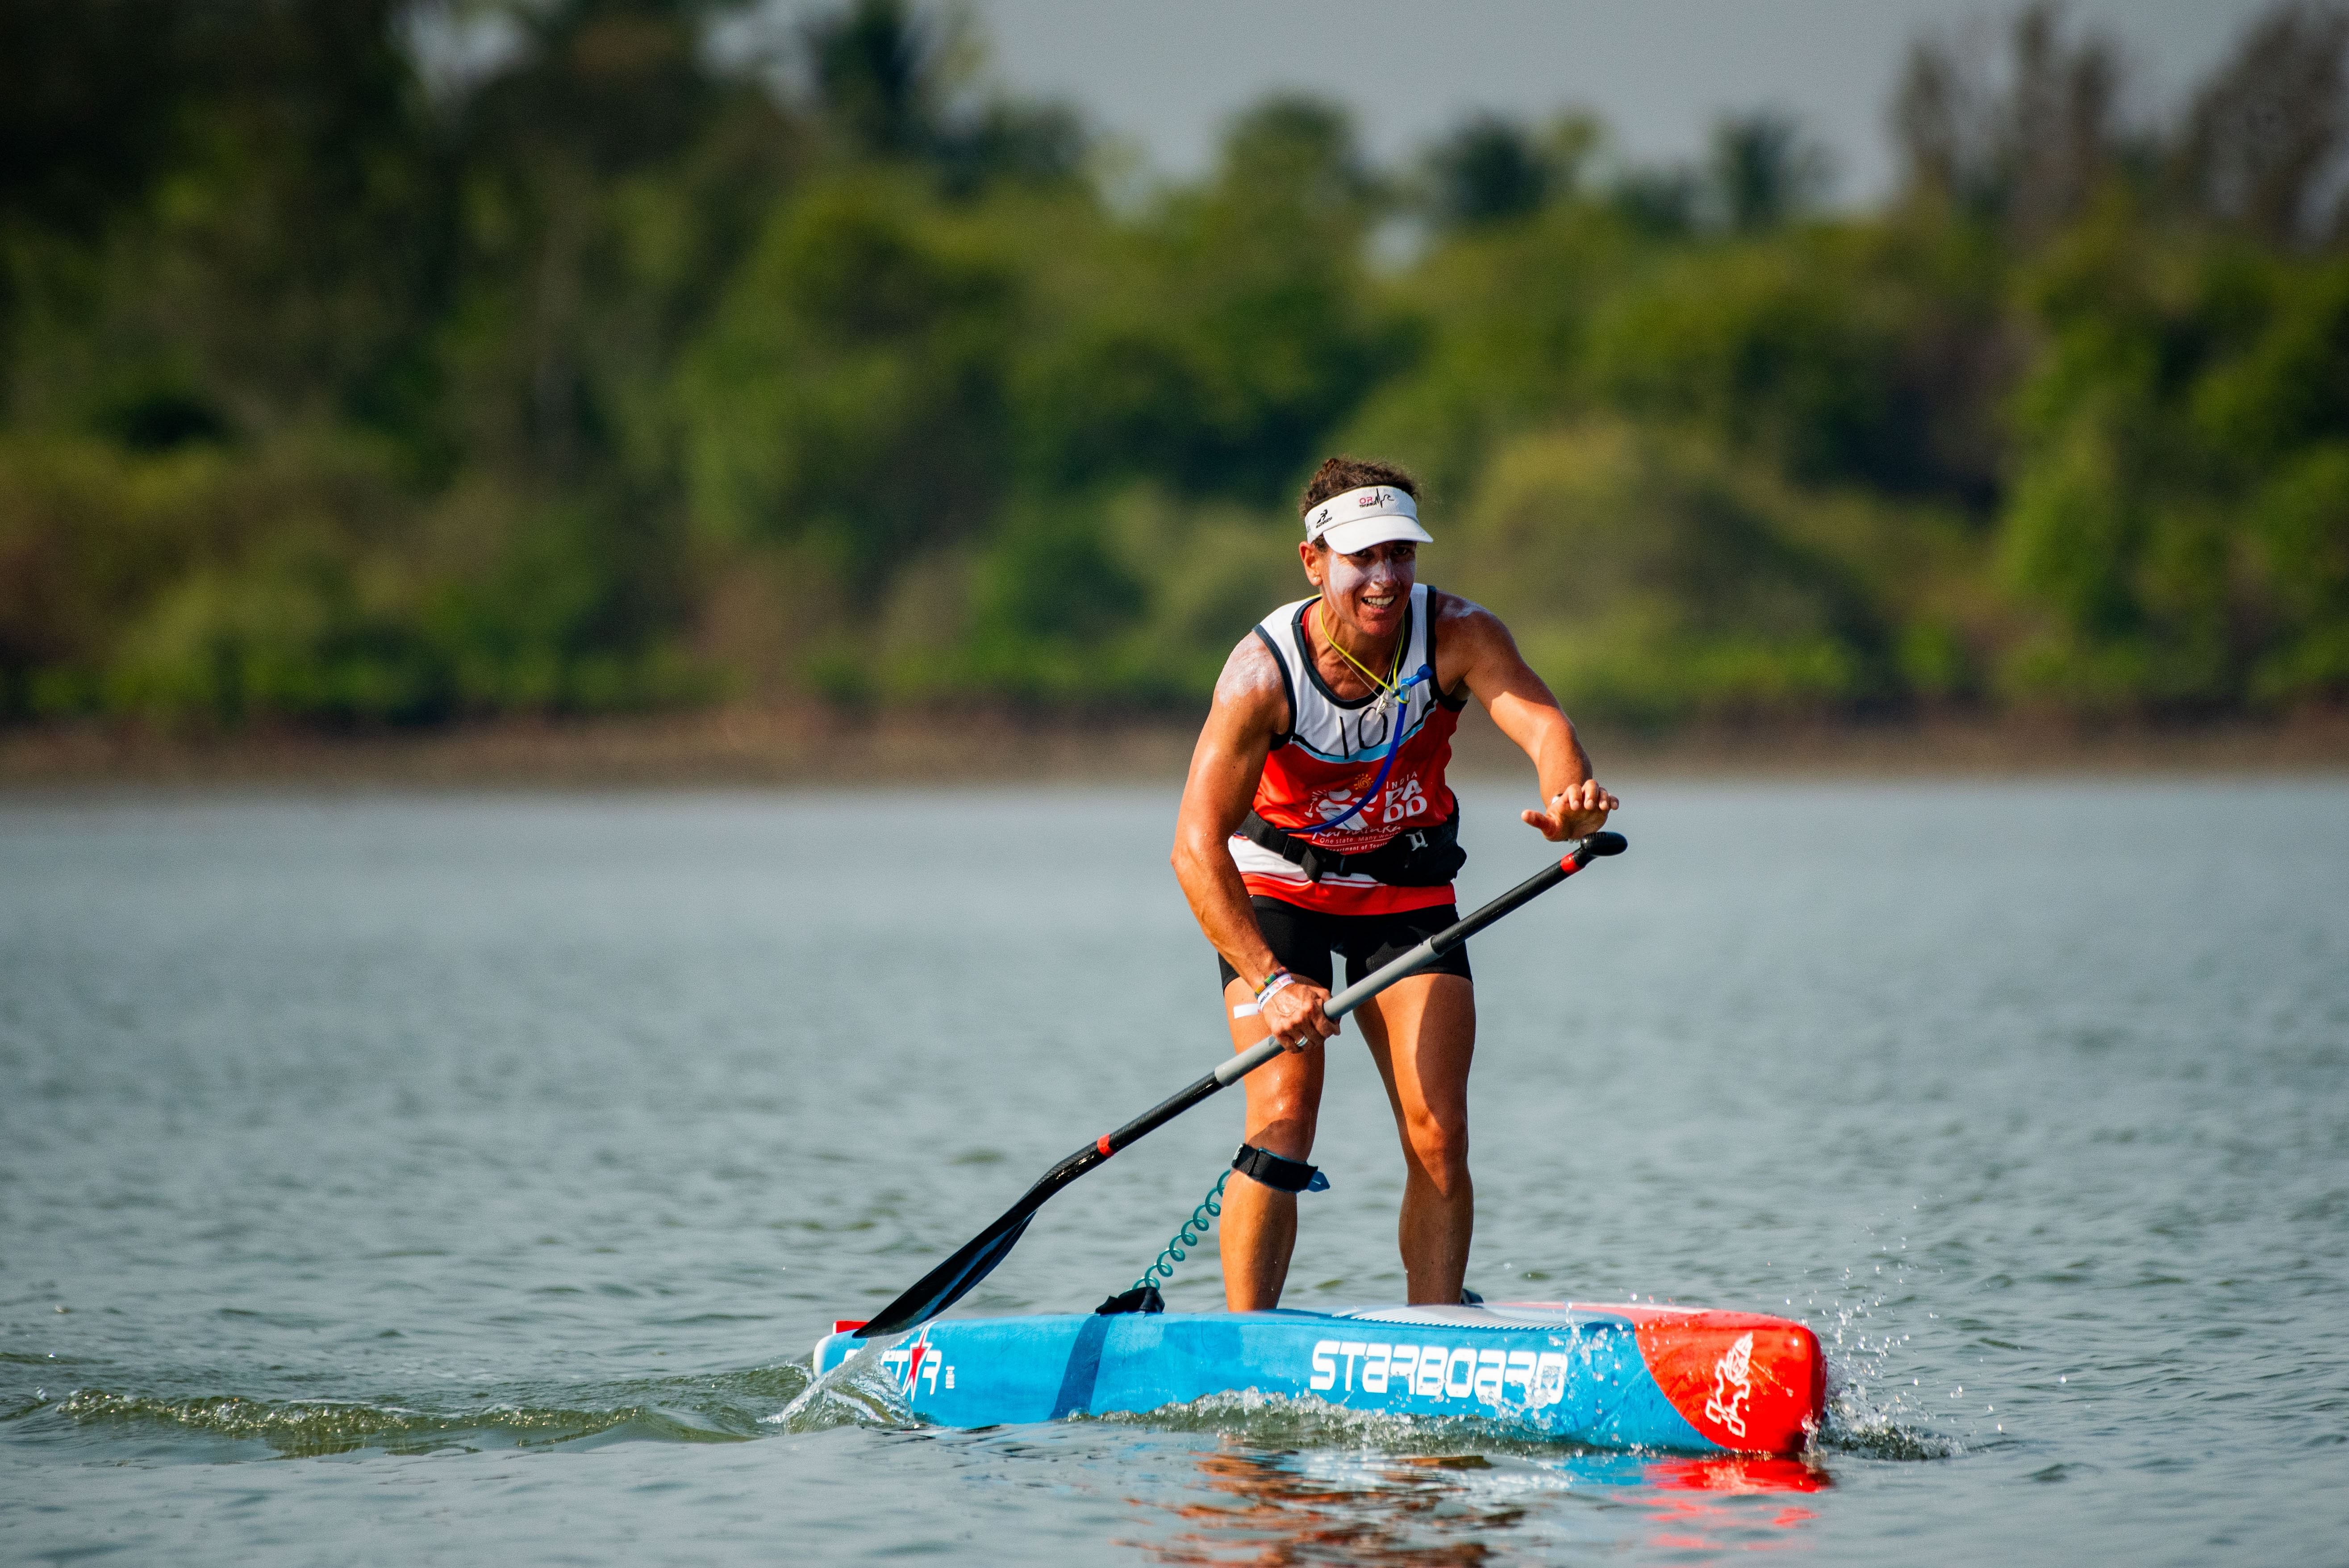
{"x":1401,"y":967}
{"x":945,"y":1283}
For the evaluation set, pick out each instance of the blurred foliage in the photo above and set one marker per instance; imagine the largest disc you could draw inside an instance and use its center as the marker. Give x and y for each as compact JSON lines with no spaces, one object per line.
{"x":370,"y":362}
{"x":1659,"y":582}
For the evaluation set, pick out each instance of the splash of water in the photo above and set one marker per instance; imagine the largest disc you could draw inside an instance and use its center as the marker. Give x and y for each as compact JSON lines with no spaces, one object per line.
{"x":857,"y":1392}
{"x":1304,"y":1421}
{"x":1860,"y":1325}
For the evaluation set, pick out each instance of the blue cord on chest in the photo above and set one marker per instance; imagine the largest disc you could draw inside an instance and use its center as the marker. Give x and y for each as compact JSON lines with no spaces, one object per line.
{"x":1403,"y":710}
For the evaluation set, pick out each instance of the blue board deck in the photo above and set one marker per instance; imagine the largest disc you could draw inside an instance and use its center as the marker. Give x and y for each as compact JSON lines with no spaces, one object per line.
{"x":1630,"y":1375}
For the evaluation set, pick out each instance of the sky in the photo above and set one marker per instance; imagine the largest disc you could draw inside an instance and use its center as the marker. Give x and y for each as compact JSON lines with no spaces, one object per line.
{"x":1165,"y":74}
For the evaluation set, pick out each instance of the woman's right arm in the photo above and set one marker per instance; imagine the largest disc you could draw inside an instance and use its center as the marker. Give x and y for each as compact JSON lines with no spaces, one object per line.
{"x":1250,"y":707}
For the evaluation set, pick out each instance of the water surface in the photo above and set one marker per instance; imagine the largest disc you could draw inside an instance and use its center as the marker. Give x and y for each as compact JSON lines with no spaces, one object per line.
{"x":457,"y":1177}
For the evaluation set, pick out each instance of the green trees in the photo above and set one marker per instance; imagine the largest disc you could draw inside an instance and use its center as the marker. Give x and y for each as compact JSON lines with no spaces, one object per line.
{"x":338,"y":384}
{"x":1658,"y":582}
{"x":851,"y":391}
{"x":2176,"y":510}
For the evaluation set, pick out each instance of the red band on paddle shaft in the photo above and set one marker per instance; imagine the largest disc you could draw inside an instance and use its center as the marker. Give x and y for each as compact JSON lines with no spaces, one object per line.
{"x":1568,"y":865}
{"x":1102,"y":1143}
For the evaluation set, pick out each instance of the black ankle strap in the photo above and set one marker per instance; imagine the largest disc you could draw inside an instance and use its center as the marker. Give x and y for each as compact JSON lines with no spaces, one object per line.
{"x":1277,"y":1172}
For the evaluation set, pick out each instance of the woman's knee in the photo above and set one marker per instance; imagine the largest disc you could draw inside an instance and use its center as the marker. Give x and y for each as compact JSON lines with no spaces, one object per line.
{"x":1284,"y":1111}
{"x":1439,"y":1145}
{"x":1285,"y":1128}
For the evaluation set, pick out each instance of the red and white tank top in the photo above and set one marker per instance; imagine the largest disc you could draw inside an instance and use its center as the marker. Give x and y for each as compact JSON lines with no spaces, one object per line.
{"x":1331,"y":753}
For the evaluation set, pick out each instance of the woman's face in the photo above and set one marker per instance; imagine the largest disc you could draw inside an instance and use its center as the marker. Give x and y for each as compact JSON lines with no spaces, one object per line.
{"x":1369,"y":591}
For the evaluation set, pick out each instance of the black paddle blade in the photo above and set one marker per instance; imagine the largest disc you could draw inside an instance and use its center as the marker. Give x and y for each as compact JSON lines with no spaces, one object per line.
{"x":951,"y":1280}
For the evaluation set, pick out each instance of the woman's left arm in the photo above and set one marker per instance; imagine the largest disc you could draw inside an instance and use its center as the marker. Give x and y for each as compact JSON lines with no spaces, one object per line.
{"x":1474,"y":647}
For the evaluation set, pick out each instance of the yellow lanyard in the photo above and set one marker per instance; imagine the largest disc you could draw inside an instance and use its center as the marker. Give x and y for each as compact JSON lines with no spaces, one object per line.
{"x":1387,"y":690}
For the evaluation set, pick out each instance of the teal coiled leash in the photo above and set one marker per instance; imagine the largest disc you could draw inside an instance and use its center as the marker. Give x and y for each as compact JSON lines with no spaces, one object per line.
{"x":1195,"y":1231}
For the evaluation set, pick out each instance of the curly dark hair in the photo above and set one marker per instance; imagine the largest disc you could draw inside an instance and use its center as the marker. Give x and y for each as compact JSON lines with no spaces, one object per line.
{"x":1337,"y":475}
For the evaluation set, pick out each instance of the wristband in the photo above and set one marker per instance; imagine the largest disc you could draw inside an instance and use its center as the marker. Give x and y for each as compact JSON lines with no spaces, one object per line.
{"x":1271,"y":982}
{"x":1273,"y":987}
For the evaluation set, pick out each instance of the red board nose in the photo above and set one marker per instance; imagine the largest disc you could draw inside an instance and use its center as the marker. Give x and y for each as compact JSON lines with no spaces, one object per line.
{"x":1754,"y":1384}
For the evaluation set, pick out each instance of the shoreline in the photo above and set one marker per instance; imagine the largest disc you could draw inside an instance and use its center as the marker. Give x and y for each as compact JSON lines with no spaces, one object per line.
{"x":812,"y":747}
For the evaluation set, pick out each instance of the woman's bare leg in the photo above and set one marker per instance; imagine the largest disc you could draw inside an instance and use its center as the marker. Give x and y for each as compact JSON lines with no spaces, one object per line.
{"x":1423,"y":1034}
{"x":1260,"y":1223}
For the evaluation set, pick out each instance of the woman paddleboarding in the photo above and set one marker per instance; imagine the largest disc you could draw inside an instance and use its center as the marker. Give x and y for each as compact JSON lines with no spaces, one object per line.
{"x":1316,"y":817}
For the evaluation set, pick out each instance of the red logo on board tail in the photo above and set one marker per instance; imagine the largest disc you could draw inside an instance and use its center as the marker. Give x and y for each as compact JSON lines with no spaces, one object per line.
{"x":1753,"y":1384}
{"x":1733,"y":1385}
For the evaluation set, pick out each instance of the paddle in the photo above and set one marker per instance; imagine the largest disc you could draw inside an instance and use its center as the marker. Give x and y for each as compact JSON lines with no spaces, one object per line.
{"x":946,"y":1284}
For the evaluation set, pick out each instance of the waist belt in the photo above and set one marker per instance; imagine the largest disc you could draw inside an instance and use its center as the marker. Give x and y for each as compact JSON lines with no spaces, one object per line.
{"x":1417,"y":857}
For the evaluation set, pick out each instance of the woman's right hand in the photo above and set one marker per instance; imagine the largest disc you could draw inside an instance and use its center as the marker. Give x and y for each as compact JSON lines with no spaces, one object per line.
{"x":1294,"y":1014}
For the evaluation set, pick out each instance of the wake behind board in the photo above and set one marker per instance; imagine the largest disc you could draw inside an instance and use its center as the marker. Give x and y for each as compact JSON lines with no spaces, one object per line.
{"x":1614,"y":1377}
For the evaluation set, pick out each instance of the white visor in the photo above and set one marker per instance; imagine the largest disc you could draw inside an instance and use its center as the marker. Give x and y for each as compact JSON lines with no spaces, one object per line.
{"x":1378,"y":514}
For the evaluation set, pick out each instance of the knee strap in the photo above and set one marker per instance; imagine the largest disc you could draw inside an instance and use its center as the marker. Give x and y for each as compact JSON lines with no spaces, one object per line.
{"x":1277,"y":1172}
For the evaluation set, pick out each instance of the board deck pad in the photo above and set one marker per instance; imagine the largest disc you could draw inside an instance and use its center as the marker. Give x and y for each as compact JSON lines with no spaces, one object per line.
{"x":1631,"y":1376}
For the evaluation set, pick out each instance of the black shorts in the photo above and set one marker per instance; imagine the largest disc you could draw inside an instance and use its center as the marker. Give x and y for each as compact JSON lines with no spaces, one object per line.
{"x":1302,"y":938}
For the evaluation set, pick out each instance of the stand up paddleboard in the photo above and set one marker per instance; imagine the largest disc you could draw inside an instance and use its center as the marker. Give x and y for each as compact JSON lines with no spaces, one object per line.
{"x":1613,"y":1377}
